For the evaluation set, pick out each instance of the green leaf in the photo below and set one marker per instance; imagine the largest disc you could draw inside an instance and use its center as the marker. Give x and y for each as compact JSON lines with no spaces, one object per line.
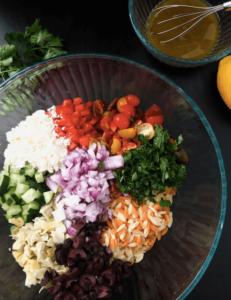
{"x":6,"y":62}
{"x":180,"y":139}
{"x":33,"y":29}
{"x":101,"y":165}
{"x":165,"y":203}
{"x":18,"y":40}
{"x":6,"y":50}
{"x":40,"y":36}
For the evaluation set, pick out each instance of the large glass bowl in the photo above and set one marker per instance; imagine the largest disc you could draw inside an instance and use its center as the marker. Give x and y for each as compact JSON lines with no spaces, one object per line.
{"x":172,"y":268}
{"x":139,"y":11}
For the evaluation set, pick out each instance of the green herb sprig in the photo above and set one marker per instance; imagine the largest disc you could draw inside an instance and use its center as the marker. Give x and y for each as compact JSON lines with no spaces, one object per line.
{"x":25,"y":48}
{"x":151,"y":167}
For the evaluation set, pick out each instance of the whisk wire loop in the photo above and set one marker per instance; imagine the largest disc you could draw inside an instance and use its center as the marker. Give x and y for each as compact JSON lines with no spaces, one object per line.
{"x":200,"y":15}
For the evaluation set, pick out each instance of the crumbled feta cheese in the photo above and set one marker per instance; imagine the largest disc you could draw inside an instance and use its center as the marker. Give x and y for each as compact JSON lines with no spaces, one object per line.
{"x":35,"y":141}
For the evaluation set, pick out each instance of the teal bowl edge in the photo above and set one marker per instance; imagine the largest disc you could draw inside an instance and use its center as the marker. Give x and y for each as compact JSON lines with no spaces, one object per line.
{"x":203,"y":120}
{"x":169,"y":59}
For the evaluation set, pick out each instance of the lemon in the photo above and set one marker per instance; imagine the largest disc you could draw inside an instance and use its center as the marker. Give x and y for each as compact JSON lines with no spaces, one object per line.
{"x":224,"y":80}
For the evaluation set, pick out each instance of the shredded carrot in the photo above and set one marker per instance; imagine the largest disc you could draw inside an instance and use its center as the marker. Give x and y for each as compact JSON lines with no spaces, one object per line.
{"x":133,"y":237}
{"x":109,"y":223}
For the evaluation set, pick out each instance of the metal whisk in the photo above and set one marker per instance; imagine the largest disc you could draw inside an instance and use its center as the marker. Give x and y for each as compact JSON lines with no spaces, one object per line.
{"x":199,"y":16}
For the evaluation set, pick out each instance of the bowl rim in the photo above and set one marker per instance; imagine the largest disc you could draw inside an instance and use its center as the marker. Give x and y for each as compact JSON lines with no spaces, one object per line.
{"x":200,"y":115}
{"x":186,"y":62}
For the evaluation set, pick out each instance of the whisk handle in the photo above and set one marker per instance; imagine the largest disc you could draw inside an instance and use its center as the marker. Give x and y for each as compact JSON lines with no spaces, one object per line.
{"x":227,"y":4}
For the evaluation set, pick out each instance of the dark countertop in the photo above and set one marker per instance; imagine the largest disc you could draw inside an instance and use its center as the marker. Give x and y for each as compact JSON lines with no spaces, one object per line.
{"x":104,"y":27}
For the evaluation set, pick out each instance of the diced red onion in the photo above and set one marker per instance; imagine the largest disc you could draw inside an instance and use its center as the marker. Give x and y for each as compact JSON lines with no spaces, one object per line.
{"x":85,"y":187}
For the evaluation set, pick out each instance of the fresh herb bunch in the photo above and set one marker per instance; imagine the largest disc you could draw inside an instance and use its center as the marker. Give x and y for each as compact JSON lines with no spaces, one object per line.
{"x":151,"y":166}
{"x":25,"y":48}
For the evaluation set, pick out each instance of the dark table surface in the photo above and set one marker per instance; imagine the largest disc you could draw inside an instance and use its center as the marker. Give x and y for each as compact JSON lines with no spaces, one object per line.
{"x":104,"y":27}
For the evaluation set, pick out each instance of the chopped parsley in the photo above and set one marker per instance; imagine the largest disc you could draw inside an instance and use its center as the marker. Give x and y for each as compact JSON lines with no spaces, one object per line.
{"x":152,"y":166}
{"x":101,"y":165}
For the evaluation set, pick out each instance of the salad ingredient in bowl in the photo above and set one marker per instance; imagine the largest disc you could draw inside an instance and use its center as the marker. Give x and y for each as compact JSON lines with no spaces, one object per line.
{"x":71,"y":242}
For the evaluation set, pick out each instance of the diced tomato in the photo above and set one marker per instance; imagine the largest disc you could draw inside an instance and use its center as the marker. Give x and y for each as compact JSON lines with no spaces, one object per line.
{"x":82,"y":121}
{"x":138,"y":144}
{"x":155,"y":120}
{"x":58,"y":110}
{"x":116,"y":135}
{"x":61,"y":122}
{"x":84,"y":140}
{"x":129,"y":133}
{"x":77,"y":101}
{"x":89,"y":104}
{"x":98,"y":127}
{"x":85,"y":112}
{"x":113,"y":113}
{"x":113,"y":126}
{"x":68,"y":103}
{"x":153,"y":111}
{"x":75,"y":120}
{"x":138,"y":112}
{"x":106,"y":136}
{"x":93,"y":121}
{"x":105,"y":124}
{"x":122,"y":101}
{"x":128,"y":109}
{"x":87,"y":127}
{"x":121,"y":121}
{"x":106,"y":114}
{"x":72,"y":146}
{"x":98,"y":108}
{"x":127,"y":147}
{"x":77,"y":114}
{"x":93,"y":133}
{"x":113,"y":104}
{"x":79,"y":107}
{"x":76,"y":138}
{"x":135,"y":123}
{"x":66,"y":112}
{"x":172,"y":141}
{"x":80,"y":132}
{"x":116,"y":146}
{"x":71,"y":133}
{"x":133,"y":100}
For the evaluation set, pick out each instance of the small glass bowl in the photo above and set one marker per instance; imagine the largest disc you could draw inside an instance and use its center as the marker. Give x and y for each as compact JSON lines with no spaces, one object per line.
{"x":139,"y":12}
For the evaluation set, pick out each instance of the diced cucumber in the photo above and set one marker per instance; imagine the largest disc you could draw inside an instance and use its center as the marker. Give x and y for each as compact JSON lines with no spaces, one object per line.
{"x":30,"y":172}
{"x":7,"y":217}
{"x":22,"y":171}
{"x":6,"y":169}
{"x":48,"y":196}
{"x":14,"y":170}
{"x":16,"y":198}
{"x":23,"y":202}
{"x":39,"y":177}
{"x":41,"y":200}
{"x":33,"y":207}
{"x":2,"y":200}
{"x":4,"y":183}
{"x":10,"y":202}
{"x":12,"y":228}
{"x":16,"y":178}
{"x":43,"y":187}
{"x":30,"y":195}
{"x":25,"y":209}
{"x":27,"y":218}
{"x":5,"y":206}
{"x":9,"y":193}
{"x":14,"y":210}
{"x":21,"y":189}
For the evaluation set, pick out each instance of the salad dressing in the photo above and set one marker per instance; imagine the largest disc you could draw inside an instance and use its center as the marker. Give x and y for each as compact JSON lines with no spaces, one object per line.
{"x":196,"y":44}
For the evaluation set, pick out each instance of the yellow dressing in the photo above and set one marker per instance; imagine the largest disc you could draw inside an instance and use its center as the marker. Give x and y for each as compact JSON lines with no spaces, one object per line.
{"x":196,"y":44}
